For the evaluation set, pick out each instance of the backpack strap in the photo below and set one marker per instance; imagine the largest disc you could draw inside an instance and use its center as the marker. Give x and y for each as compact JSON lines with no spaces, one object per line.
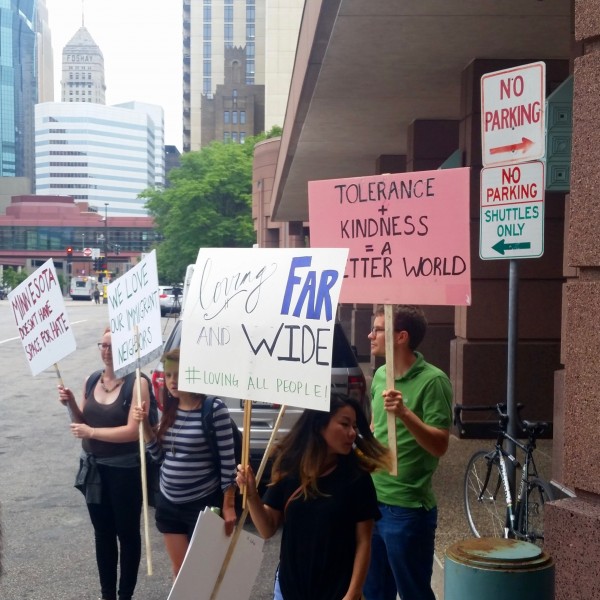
{"x":206,"y":414}
{"x":91,"y":382}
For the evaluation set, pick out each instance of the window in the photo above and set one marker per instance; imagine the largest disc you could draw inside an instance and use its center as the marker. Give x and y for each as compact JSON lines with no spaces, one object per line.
{"x":207,"y":13}
{"x":242,"y":117}
{"x":228,"y":14}
{"x":249,"y":67}
{"x":250,"y":50}
{"x":206,"y":85}
{"x":250,"y":14}
{"x":228,"y":32}
{"x":234,"y":117}
{"x":226,"y":117}
{"x":207,"y":68}
{"x":207,"y":31}
{"x":226,"y":136}
{"x":234,"y":136}
{"x":242,"y":137}
{"x":207,"y":47}
{"x":250,"y":32}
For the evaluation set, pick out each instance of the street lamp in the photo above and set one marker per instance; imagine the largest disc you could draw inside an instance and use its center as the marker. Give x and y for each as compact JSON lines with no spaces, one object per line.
{"x":106,"y":234}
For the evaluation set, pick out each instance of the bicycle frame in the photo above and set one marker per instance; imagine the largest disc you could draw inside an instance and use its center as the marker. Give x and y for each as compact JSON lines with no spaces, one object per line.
{"x":529,"y":470}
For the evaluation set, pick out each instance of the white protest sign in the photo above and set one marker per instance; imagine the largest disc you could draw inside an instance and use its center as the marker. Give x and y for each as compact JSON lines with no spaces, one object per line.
{"x":204,"y":557}
{"x":134,"y":312}
{"x":258,"y":324}
{"x":39,"y":311}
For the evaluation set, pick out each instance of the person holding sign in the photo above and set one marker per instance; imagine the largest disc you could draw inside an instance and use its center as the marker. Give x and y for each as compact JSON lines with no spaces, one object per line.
{"x":190,"y":478}
{"x":403,"y":540}
{"x":322,"y":493}
{"x":109,"y":474}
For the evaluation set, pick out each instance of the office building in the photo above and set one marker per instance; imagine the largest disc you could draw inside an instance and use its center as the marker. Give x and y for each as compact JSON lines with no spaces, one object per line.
{"x":82,"y":70}
{"x":237,"y":109}
{"x":95,"y":153}
{"x":19,"y":87}
{"x":209,"y":27}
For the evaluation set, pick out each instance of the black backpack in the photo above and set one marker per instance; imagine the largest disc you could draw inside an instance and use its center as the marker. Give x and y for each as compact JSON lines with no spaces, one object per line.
{"x":206,"y":415}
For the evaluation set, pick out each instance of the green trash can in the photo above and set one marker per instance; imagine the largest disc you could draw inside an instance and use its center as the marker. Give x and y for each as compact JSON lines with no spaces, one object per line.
{"x":497,"y":569}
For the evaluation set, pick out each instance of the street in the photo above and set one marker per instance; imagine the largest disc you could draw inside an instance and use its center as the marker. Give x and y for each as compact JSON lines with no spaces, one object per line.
{"x":48,"y":551}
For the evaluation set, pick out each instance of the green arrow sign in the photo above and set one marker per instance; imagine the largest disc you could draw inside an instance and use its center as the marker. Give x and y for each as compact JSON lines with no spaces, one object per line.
{"x":502,"y":246}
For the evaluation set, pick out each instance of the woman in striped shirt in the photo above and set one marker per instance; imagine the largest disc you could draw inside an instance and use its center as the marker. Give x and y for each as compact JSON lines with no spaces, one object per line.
{"x":190,"y":478}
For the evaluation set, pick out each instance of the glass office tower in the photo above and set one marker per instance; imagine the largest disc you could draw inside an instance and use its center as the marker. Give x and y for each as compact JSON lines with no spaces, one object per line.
{"x":18,"y":87}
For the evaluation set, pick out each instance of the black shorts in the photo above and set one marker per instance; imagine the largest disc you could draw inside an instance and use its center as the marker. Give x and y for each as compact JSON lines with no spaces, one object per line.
{"x":181,"y":518}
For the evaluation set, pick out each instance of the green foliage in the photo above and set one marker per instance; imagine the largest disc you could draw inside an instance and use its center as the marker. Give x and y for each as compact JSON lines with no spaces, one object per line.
{"x":209,"y":204}
{"x":11,"y":278}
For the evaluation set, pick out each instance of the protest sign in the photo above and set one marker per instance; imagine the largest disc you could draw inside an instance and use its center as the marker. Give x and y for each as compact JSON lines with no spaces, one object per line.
{"x":134,"y":311}
{"x":407,"y":235}
{"x":39,"y":310}
{"x":258,"y":324}
{"x":204,"y":557}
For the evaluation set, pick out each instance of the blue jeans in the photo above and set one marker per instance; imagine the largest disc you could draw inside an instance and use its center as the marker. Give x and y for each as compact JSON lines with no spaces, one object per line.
{"x":277,"y":595}
{"x":402,"y":554}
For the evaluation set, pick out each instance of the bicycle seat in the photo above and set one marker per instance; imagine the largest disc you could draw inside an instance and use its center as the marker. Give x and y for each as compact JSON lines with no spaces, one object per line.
{"x":534,"y":428}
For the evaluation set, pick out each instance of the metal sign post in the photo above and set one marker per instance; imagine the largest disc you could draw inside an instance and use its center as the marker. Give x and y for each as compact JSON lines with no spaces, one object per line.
{"x":512,"y":192}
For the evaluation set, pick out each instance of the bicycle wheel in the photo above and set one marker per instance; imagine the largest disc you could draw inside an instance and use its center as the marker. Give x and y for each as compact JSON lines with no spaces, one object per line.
{"x":531,"y":510}
{"x":485,"y":507}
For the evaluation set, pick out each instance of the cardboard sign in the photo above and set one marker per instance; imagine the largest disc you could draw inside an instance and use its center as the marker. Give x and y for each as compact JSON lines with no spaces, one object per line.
{"x":258,"y":324}
{"x":134,"y":311}
{"x":39,"y":310}
{"x":204,"y":557}
{"x":408,"y":235}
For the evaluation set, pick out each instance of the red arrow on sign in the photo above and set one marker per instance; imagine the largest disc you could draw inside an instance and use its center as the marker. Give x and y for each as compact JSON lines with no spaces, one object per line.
{"x":524,"y":145}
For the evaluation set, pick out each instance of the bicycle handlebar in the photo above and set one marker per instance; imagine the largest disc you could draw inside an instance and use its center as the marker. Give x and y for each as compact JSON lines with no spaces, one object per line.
{"x":499,"y":408}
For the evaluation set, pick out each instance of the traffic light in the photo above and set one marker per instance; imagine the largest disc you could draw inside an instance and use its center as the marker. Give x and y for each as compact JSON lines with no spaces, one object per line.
{"x":103,"y":264}
{"x":69,"y":252}
{"x":96,"y":265}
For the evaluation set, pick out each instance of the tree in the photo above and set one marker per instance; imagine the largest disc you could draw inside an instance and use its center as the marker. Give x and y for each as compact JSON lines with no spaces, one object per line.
{"x":11,"y":278}
{"x":209,"y":204}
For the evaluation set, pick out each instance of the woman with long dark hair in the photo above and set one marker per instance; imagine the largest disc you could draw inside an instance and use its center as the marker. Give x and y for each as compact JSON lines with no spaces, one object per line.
{"x":322,"y":493}
{"x":190,"y":478}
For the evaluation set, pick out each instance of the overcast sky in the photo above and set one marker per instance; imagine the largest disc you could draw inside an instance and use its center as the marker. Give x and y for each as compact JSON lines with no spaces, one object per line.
{"x":141,"y":43}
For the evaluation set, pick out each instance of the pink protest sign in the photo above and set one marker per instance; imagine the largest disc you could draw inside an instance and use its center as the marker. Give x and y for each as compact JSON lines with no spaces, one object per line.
{"x":407,"y":235}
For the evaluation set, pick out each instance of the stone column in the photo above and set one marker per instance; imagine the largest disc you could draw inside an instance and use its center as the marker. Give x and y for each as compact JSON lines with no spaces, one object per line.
{"x":572,"y":525}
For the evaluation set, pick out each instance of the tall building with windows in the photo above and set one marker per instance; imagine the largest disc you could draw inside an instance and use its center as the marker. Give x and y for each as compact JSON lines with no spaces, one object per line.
{"x":45,"y":56}
{"x":209,"y":27}
{"x":18,"y":75}
{"x":237,"y":109}
{"x":96,"y":153}
{"x":83,"y":70}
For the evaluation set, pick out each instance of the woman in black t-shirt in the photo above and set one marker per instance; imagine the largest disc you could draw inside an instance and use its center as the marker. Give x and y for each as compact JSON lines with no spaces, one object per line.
{"x":321,"y":492}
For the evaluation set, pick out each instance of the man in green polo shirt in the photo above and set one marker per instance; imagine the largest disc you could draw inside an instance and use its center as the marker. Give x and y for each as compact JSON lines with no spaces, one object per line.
{"x":403,"y":539}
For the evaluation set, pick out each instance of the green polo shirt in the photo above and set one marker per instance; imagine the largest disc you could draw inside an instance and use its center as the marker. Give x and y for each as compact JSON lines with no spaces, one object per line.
{"x":426,"y":390}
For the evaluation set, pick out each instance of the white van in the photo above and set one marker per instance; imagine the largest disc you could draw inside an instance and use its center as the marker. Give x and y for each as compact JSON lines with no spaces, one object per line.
{"x":82,"y":288}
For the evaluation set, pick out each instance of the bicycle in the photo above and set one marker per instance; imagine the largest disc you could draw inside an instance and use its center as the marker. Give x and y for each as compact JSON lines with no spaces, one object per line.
{"x":488,"y":495}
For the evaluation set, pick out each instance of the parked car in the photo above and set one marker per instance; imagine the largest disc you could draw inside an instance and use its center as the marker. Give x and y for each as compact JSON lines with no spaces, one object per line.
{"x":169,"y":298}
{"x":346,"y":377}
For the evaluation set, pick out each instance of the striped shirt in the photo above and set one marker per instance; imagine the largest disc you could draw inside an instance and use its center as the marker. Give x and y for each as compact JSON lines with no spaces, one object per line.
{"x":188,"y":471}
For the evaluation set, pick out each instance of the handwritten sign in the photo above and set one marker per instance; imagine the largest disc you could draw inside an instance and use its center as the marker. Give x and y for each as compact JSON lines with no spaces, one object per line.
{"x":39,"y":310}
{"x":134,"y":311}
{"x":407,"y":235}
{"x":204,"y":557}
{"x":258,"y":324}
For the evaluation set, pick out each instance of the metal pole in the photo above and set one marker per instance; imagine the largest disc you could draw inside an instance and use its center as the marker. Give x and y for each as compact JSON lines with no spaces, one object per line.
{"x":511,"y":404}
{"x":104,"y":299}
